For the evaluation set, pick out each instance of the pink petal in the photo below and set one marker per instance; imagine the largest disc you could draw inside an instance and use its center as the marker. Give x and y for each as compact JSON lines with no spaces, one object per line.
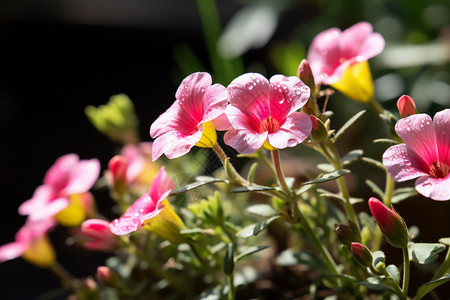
{"x":161,"y":186}
{"x":215,"y":101}
{"x":48,"y":210}
{"x":82,"y":176}
{"x":175,"y":118}
{"x":287,"y":94}
{"x":250,"y":94}
{"x":353,"y":38}
{"x":174,"y":144}
{"x":434,"y":188}
{"x":371,"y":47}
{"x":12,"y":250}
{"x":222,"y":122}
{"x":135,"y":160}
{"x":441,"y":123}
{"x":242,"y":119}
{"x":417,"y":131}
{"x":244,"y":141}
{"x":56,"y":176}
{"x":42,"y":195}
{"x":294,"y":131}
{"x":403,"y":164}
{"x":190,"y":93}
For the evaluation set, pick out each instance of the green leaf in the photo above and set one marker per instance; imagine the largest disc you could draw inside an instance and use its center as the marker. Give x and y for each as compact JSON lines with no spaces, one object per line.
{"x":351,"y":156}
{"x":424,"y":253}
{"x":201,"y":180}
{"x":325,"y":167}
{"x":445,"y":241}
{"x":228,"y":260}
{"x":368,"y":221}
{"x":374,"y":283}
{"x":394,"y":272}
{"x":403,"y":194}
{"x":378,"y":257}
{"x":250,"y":251}
{"x":374,"y":162}
{"x":389,"y":141}
{"x":251,"y":172}
{"x":255,"y":228}
{"x":339,"y":197}
{"x":303,"y":189}
{"x":347,"y":125}
{"x":256,"y":188}
{"x":429,"y":286}
{"x":328,"y":176}
{"x":291,"y":258}
{"x":264,"y":210}
{"x":375,"y":188}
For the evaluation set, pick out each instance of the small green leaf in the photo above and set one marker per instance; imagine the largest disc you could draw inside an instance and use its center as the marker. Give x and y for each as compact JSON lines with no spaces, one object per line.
{"x":375,"y":188}
{"x":328,"y":176}
{"x":291,"y":258}
{"x":429,"y":286}
{"x":228,"y":260}
{"x":347,"y":125}
{"x":251,"y":172}
{"x":351,"y":156}
{"x":256,"y":188}
{"x":403,"y":194}
{"x":264,"y":210}
{"x":255,"y":228}
{"x":445,"y":241}
{"x":339,"y":197}
{"x":201,"y":180}
{"x":374,"y":162}
{"x":325,"y":167}
{"x":368,"y":221}
{"x":303,"y":189}
{"x":378,"y":257}
{"x":389,"y":141}
{"x":394,"y":272}
{"x":375,"y":284}
{"x":424,"y":253}
{"x":250,"y":251}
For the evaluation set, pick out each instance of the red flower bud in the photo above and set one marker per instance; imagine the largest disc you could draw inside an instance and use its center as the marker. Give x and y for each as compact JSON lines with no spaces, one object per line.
{"x":390,"y":223}
{"x":406,"y":106}
{"x":305,"y":74}
{"x":107,"y":276}
{"x":362,"y":254}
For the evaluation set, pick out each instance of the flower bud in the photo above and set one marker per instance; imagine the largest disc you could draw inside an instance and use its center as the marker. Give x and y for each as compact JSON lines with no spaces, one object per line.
{"x":305,"y":74}
{"x":406,"y":106}
{"x":348,"y":233}
{"x":362,"y":254}
{"x":319,"y":132}
{"x":99,"y":235}
{"x":390,"y":223}
{"x":107,"y":276}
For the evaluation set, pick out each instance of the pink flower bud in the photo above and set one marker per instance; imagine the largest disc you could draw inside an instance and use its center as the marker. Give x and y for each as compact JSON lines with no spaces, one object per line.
{"x":362,"y":254}
{"x":107,"y":276}
{"x":305,"y":74}
{"x":118,"y":166}
{"x":99,"y":235}
{"x":314,"y":122}
{"x":406,"y":106}
{"x":390,"y":223}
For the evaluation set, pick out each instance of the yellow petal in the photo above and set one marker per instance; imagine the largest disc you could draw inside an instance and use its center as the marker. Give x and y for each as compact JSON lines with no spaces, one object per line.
{"x":209,"y":137}
{"x":268,"y":146}
{"x":356,"y":83}
{"x":40,"y":253}
{"x":74,"y":214}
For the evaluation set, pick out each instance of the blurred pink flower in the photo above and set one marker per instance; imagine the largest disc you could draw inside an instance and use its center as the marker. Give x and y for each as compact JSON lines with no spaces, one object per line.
{"x":67,"y":176}
{"x":189,"y":118}
{"x":29,"y":237}
{"x":99,"y":235}
{"x":425,"y":154}
{"x":265,"y":113}
{"x":146,"y":207}
{"x":333,"y":50}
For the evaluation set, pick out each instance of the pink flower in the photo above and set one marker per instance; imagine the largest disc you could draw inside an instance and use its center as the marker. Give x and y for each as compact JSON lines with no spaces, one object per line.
{"x":68,"y":176}
{"x":99,"y":235}
{"x":333,"y":50}
{"x":189,"y":121}
{"x":261,"y":111}
{"x":425,"y":154}
{"x":31,"y":237}
{"x":146,"y":207}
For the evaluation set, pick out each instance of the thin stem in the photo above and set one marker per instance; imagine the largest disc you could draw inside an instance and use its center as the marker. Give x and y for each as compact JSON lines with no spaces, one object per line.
{"x":279,"y":171}
{"x":266,"y":162}
{"x":238,"y":179}
{"x":406,"y":267}
{"x":384,"y":272}
{"x":389,"y":190}
{"x":232,"y":291}
{"x":376,"y":106}
{"x":68,"y":279}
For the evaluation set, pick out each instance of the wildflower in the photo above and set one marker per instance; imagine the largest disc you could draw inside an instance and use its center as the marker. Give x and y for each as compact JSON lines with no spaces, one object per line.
{"x":64,"y":185}
{"x":339,"y":58}
{"x":99,"y":235}
{"x":390,"y":223}
{"x":152,"y":210}
{"x":406,"y":106}
{"x":425,"y":154}
{"x":265,"y":113}
{"x":189,"y":121}
{"x":32,"y":243}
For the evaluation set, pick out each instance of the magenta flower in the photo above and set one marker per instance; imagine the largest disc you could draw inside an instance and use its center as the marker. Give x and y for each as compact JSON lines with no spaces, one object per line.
{"x":261,"y":111}
{"x":31,"y":242}
{"x":146,"y":207}
{"x":333,"y":50}
{"x":68,"y":176}
{"x":425,"y":154}
{"x":189,"y":121}
{"x":99,"y":235}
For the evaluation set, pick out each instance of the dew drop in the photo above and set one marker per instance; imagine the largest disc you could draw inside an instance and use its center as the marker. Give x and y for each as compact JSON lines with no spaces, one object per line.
{"x":297,"y":92}
{"x":426,"y":184}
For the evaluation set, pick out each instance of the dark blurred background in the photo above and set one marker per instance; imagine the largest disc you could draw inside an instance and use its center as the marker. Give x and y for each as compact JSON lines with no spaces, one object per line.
{"x":57,"y":57}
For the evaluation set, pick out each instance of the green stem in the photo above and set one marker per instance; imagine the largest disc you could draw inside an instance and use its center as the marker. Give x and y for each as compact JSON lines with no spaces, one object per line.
{"x":375,"y":105}
{"x":266,"y":162}
{"x":329,"y":261}
{"x":279,"y":171}
{"x":406,"y":267}
{"x":384,"y":272}
{"x":232,"y":291}
{"x":68,"y":279}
